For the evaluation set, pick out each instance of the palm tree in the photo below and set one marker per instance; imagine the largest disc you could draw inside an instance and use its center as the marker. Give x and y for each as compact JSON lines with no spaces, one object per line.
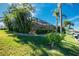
{"x":60,"y":14}
{"x":56,"y":14}
{"x":68,"y":24}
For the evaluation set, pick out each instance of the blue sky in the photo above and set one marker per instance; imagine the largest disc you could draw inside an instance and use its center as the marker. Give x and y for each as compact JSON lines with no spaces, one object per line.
{"x":44,"y":11}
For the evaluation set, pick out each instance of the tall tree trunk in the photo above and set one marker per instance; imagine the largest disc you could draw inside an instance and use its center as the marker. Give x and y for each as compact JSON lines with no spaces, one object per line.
{"x":60,"y":14}
{"x":56,"y":23}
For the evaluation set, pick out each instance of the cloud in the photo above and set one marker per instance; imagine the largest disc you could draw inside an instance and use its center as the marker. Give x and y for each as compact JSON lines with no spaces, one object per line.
{"x":37,"y":10}
{"x":74,"y":18}
{"x":33,"y":14}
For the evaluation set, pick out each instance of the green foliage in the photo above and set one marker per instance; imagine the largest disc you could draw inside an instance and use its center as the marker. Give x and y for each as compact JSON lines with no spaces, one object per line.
{"x":55,"y":38}
{"x":37,"y":40}
{"x":68,"y":24}
{"x":43,"y":31}
{"x":18,"y":17}
{"x":63,"y":30}
{"x":7,"y":21}
{"x":56,"y":13}
{"x":13,"y":45}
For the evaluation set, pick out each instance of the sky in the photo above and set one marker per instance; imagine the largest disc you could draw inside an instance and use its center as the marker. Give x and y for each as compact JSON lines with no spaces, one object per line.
{"x":44,"y":11}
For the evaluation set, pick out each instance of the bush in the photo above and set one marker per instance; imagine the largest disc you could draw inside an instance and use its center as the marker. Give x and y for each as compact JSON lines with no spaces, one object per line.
{"x":43,"y":31}
{"x":55,"y":38}
{"x":63,"y":30}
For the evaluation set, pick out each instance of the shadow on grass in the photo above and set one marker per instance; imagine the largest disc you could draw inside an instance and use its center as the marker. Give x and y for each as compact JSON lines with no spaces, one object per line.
{"x":38,"y":42}
{"x":41,"y":42}
{"x":8,"y":32}
{"x":41,"y":48}
{"x":69,"y":49}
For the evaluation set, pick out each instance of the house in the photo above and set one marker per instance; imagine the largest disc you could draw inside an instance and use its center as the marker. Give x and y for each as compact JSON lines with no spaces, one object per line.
{"x":38,"y":24}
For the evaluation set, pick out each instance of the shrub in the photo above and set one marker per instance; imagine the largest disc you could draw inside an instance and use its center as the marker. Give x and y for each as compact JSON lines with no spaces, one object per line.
{"x":55,"y":38}
{"x":63,"y":30}
{"x":43,"y":31}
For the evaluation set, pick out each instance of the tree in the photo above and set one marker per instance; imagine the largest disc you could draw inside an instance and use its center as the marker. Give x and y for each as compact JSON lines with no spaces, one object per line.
{"x":7,"y":21}
{"x":56,"y":14}
{"x":21,"y":17}
{"x":60,"y":14}
{"x":68,"y":24}
{"x":63,"y":29}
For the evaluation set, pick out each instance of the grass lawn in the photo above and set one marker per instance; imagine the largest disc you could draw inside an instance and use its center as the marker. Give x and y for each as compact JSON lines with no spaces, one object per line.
{"x":13,"y":45}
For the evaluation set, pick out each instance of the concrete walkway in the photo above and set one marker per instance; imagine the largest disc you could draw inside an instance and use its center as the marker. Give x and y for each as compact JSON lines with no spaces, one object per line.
{"x":22,"y":34}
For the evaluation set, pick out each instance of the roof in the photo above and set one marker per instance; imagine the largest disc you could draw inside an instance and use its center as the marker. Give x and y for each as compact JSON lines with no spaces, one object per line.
{"x":40,"y":24}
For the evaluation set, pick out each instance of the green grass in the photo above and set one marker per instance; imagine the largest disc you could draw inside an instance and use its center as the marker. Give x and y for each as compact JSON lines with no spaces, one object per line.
{"x":13,"y":45}
{"x":70,"y":38}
